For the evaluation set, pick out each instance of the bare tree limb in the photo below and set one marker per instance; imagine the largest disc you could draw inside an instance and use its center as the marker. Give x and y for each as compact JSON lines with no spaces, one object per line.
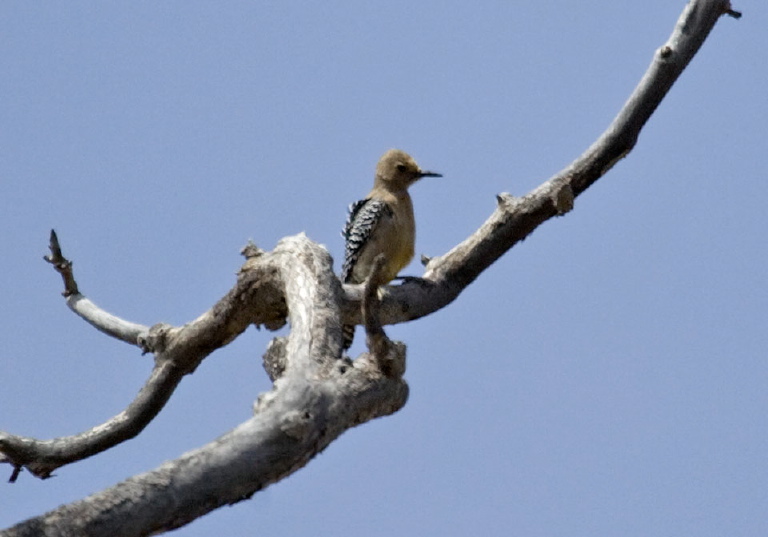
{"x":318,"y":397}
{"x":42,"y":457}
{"x":515,"y":219}
{"x":256,"y":298}
{"x":317,"y":394}
{"x":87,"y":310}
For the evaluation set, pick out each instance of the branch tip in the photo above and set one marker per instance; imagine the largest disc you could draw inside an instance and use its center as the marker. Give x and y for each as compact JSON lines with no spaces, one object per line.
{"x":62,"y":265}
{"x":54,"y":245}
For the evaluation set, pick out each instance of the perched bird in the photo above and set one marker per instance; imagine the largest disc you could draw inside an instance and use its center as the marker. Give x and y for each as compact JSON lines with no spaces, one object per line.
{"x":382,"y":223}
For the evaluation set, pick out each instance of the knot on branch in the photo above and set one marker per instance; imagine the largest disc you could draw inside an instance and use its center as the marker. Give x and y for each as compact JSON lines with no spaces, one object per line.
{"x":296,"y":424}
{"x":253,"y":255}
{"x":250,"y":250}
{"x":505,"y":200}
{"x":562,"y":199}
{"x":274,"y":358}
{"x":156,"y":340}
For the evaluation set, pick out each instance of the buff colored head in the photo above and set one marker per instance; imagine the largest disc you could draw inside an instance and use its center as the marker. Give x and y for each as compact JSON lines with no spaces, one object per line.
{"x":397,"y":170}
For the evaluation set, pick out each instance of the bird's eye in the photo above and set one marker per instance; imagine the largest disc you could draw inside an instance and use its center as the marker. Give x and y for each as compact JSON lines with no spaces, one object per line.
{"x":401,"y":167}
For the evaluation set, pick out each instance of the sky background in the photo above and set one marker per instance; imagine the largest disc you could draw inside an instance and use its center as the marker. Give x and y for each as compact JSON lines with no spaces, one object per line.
{"x":605,"y":377}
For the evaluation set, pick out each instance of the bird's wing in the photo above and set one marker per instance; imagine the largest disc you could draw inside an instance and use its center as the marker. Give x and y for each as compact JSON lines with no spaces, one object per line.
{"x":363,"y":217}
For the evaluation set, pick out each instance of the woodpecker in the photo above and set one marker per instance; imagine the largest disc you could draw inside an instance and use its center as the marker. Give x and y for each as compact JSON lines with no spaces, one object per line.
{"x":382,"y":223}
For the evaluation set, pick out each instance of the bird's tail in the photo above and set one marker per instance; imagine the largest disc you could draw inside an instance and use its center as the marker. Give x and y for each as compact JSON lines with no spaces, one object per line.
{"x":347,"y":335}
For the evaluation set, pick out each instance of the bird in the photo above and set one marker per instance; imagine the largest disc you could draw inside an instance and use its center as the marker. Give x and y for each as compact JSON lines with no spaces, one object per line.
{"x":382,"y":223}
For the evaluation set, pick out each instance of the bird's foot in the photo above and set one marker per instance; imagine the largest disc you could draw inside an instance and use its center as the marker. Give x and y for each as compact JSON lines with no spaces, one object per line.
{"x":411,"y":279}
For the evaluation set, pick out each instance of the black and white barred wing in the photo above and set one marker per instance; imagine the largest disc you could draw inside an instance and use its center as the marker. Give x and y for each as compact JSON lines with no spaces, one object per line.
{"x":363,"y":217}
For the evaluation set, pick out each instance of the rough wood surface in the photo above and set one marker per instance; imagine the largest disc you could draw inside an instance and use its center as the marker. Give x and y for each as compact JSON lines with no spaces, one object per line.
{"x":317,"y":393}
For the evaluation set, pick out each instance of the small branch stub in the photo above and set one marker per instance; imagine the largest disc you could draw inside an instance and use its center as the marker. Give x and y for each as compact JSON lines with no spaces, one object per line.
{"x":732,"y":12}
{"x":17,"y":468}
{"x":389,"y":357}
{"x":505,"y":199}
{"x":275,"y":360}
{"x":563,"y":199}
{"x":250,"y":250}
{"x":155,"y":340}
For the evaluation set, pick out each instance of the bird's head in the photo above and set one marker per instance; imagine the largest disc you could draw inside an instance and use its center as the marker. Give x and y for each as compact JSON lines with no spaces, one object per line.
{"x":398,"y":170}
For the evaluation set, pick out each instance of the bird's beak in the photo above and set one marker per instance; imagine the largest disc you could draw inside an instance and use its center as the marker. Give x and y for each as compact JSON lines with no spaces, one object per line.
{"x":429,"y":174}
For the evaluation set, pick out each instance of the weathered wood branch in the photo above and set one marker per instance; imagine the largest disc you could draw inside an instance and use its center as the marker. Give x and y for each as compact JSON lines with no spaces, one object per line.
{"x":317,"y":394}
{"x":317,"y":398}
{"x":257,"y":298}
{"x":388,"y":355}
{"x":515,"y":218}
{"x":87,"y":310}
{"x":42,"y":457}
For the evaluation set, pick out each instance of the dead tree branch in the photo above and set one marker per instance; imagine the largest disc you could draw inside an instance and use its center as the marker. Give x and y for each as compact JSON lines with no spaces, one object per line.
{"x":317,"y":394}
{"x":257,"y":298}
{"x":515,"y":218}
{"x":317,"y":398}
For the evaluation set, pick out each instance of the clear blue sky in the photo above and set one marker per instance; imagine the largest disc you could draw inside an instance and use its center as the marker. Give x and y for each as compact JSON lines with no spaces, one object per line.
{"x":606,"y":377}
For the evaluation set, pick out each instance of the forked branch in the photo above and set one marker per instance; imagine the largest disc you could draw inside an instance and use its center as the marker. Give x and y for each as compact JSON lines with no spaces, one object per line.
{"x":317,"y":394}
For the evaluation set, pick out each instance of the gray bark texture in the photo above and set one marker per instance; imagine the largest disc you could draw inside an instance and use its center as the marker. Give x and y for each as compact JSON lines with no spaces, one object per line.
{"x":317,"y":393}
